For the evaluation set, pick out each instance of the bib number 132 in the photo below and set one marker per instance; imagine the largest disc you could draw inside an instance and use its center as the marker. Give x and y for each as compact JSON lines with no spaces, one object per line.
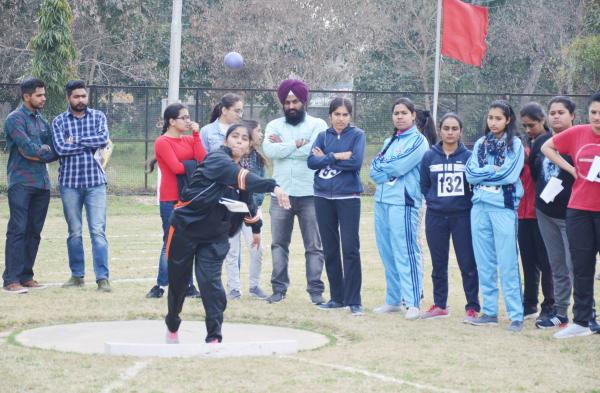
{"x":450,"y":184}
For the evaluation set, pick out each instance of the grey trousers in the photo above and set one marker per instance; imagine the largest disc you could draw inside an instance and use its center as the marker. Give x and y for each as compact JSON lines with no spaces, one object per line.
{"x":554,"y":233}
{"x":282,"y":224}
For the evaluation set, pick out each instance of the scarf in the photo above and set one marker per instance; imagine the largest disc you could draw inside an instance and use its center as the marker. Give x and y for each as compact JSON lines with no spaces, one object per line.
{"x":497,"y":148}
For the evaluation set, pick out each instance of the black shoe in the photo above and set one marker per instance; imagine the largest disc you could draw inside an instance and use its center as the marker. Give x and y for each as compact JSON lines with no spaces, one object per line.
{"x":552,"y":321}
{"x":594,"y":327}
{"x":192,"y":292}
{"x":356,"y":310}
{"x":331,"y":305}
{"x":155,"y":293}
{"x":316,"y":299}
{"x":276,"y":297}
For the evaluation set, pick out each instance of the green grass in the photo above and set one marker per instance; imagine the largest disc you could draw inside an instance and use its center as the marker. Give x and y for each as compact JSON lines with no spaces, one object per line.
{"x":442,"y":353}
{"x":126,"y":175}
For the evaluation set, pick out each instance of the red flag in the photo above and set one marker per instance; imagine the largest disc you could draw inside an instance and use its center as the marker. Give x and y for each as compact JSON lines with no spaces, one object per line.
{"x":463,"y":31}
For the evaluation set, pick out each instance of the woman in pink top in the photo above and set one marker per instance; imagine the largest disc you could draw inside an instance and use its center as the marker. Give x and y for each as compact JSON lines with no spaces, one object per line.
{"x":172,"y":148}
{"x":582,"y":144}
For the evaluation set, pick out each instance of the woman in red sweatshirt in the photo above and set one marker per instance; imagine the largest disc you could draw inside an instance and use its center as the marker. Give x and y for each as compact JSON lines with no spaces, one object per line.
{"x":172,"y":148}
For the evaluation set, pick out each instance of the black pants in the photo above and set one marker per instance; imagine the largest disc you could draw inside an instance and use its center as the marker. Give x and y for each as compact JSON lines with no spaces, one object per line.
{"x":335,"y":217}
{"x":438,"y":229}
{"x":28,"y":207}
{"x":181,"y":251}
{"x":535,"y":263}
{"x":583,"y":231}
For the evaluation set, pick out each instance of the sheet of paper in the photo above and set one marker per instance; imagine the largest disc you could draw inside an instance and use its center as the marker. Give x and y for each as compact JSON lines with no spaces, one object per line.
{"x":234,"y":206}
{"x":594,"y":170}
{"x":552,"y":189}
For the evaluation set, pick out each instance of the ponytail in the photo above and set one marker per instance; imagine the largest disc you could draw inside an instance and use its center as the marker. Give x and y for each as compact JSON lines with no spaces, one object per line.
{"x":227,"y":101}
{"x":216,"y":113}
{"x":425,"y":124}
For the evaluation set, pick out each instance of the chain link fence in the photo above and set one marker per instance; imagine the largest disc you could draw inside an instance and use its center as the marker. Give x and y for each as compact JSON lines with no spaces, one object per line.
{"x":135,"y":118}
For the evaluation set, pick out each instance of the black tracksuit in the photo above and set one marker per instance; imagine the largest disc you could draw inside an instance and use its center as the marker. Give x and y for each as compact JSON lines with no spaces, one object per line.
{"x":448,"y":196}
{"x":201,"y":227}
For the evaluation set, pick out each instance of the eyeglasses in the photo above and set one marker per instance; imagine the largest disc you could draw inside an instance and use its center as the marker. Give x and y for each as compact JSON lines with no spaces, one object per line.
{"x":184,"y":118}
{"x":239,"y":111}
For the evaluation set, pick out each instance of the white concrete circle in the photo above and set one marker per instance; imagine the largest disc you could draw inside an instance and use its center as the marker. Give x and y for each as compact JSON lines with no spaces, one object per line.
{"x":147,"y":338}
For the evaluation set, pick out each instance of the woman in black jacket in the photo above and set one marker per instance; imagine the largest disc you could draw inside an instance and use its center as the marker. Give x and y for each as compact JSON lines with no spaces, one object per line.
{"x":202,"y":223}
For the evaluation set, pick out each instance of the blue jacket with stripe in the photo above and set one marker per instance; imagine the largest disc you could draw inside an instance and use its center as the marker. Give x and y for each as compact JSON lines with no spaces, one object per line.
{"x":487,"y":181}
{"x":395,"y":169}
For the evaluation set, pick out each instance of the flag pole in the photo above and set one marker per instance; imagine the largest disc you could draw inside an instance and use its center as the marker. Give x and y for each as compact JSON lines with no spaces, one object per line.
{"x":436,"y":73}
{"x":175,"y":52}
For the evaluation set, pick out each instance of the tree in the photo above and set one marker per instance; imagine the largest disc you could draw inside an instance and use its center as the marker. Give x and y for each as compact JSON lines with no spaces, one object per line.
{"x":54,"y":52}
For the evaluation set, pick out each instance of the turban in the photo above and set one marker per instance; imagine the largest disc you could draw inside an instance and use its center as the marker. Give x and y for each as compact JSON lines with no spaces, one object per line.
{"x":294,"y":86}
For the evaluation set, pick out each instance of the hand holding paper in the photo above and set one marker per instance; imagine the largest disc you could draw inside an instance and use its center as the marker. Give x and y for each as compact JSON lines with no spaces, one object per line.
{"x":552,"y":189}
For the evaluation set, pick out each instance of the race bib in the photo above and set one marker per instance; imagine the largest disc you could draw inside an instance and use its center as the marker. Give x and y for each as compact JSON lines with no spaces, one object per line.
{"x":450,"y":184}
{"x":327,"y":173}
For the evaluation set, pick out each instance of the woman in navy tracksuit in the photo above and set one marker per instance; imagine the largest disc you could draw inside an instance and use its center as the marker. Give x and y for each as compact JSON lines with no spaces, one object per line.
{"x":337,"y":156}
{"x":448,"y":197}
{"x":201,"y":226}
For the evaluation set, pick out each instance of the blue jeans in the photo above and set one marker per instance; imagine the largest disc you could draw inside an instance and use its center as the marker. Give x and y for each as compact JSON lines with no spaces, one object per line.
{"x":166,"y":208}
{"x":94,"y":200}
{"x":28,"y":207}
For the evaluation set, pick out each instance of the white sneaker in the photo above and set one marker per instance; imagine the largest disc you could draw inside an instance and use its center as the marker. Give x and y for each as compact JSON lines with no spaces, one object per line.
{"x":573,"y":330}
{"x":386,"y":308}
{"x":412,"y":313}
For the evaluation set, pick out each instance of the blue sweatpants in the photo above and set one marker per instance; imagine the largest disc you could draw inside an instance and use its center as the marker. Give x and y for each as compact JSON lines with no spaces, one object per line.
{"x":494,"y":233}
{"x":396,"y":228}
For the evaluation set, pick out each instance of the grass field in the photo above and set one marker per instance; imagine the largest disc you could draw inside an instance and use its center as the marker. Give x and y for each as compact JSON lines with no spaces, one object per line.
{"x":372,"y":353}
{"x":125,"y":169}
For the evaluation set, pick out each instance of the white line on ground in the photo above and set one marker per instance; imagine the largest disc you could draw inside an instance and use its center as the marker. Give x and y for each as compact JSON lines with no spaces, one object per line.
{"x":144,"y":279}
{"x":4,"y":335}
{"x":128,"y":374}
{"x":369,"y":374}
{"x":114,"y":236}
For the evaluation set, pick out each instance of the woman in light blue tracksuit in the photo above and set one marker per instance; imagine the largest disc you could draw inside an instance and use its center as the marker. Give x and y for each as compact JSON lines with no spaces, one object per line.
{"x":395,"y":170}
{"x":494,"y":170}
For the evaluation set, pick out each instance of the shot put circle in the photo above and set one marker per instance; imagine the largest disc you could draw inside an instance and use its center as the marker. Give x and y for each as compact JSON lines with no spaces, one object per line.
{"x":146,"y":338}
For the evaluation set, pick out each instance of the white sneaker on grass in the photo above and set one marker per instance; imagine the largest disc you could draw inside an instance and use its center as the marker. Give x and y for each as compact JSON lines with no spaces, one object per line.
{"x":387,"y":308}
{"x":573,"y":330}
{"x":412,"y":314}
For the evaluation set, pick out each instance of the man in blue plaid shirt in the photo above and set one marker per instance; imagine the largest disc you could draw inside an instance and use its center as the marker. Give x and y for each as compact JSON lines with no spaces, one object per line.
{"x":29,"y":142}
{"x":78,"y":133}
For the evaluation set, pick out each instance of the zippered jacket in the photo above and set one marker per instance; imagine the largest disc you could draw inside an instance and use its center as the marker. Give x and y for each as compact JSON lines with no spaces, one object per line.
{"x":489,"y":184}
{"x":443,"y":180}
{"x":199,"y":212}
{"x":395,"y":170}
{"x":338,"y":178}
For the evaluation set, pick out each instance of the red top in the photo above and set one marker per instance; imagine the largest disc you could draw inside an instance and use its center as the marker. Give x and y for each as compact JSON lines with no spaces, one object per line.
{"x":170,"y":152}
{"x":581,"y":143}
{"x":527,"y":203}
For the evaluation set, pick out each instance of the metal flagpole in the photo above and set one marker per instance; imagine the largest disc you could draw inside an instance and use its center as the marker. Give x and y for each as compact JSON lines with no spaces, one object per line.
{"x":175,"y":52}
{"x":436,"y":73}
{"x":174,"y":71}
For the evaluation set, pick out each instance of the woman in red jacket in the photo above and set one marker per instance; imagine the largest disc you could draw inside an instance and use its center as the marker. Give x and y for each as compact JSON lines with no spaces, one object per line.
{"x":172,"y":148}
